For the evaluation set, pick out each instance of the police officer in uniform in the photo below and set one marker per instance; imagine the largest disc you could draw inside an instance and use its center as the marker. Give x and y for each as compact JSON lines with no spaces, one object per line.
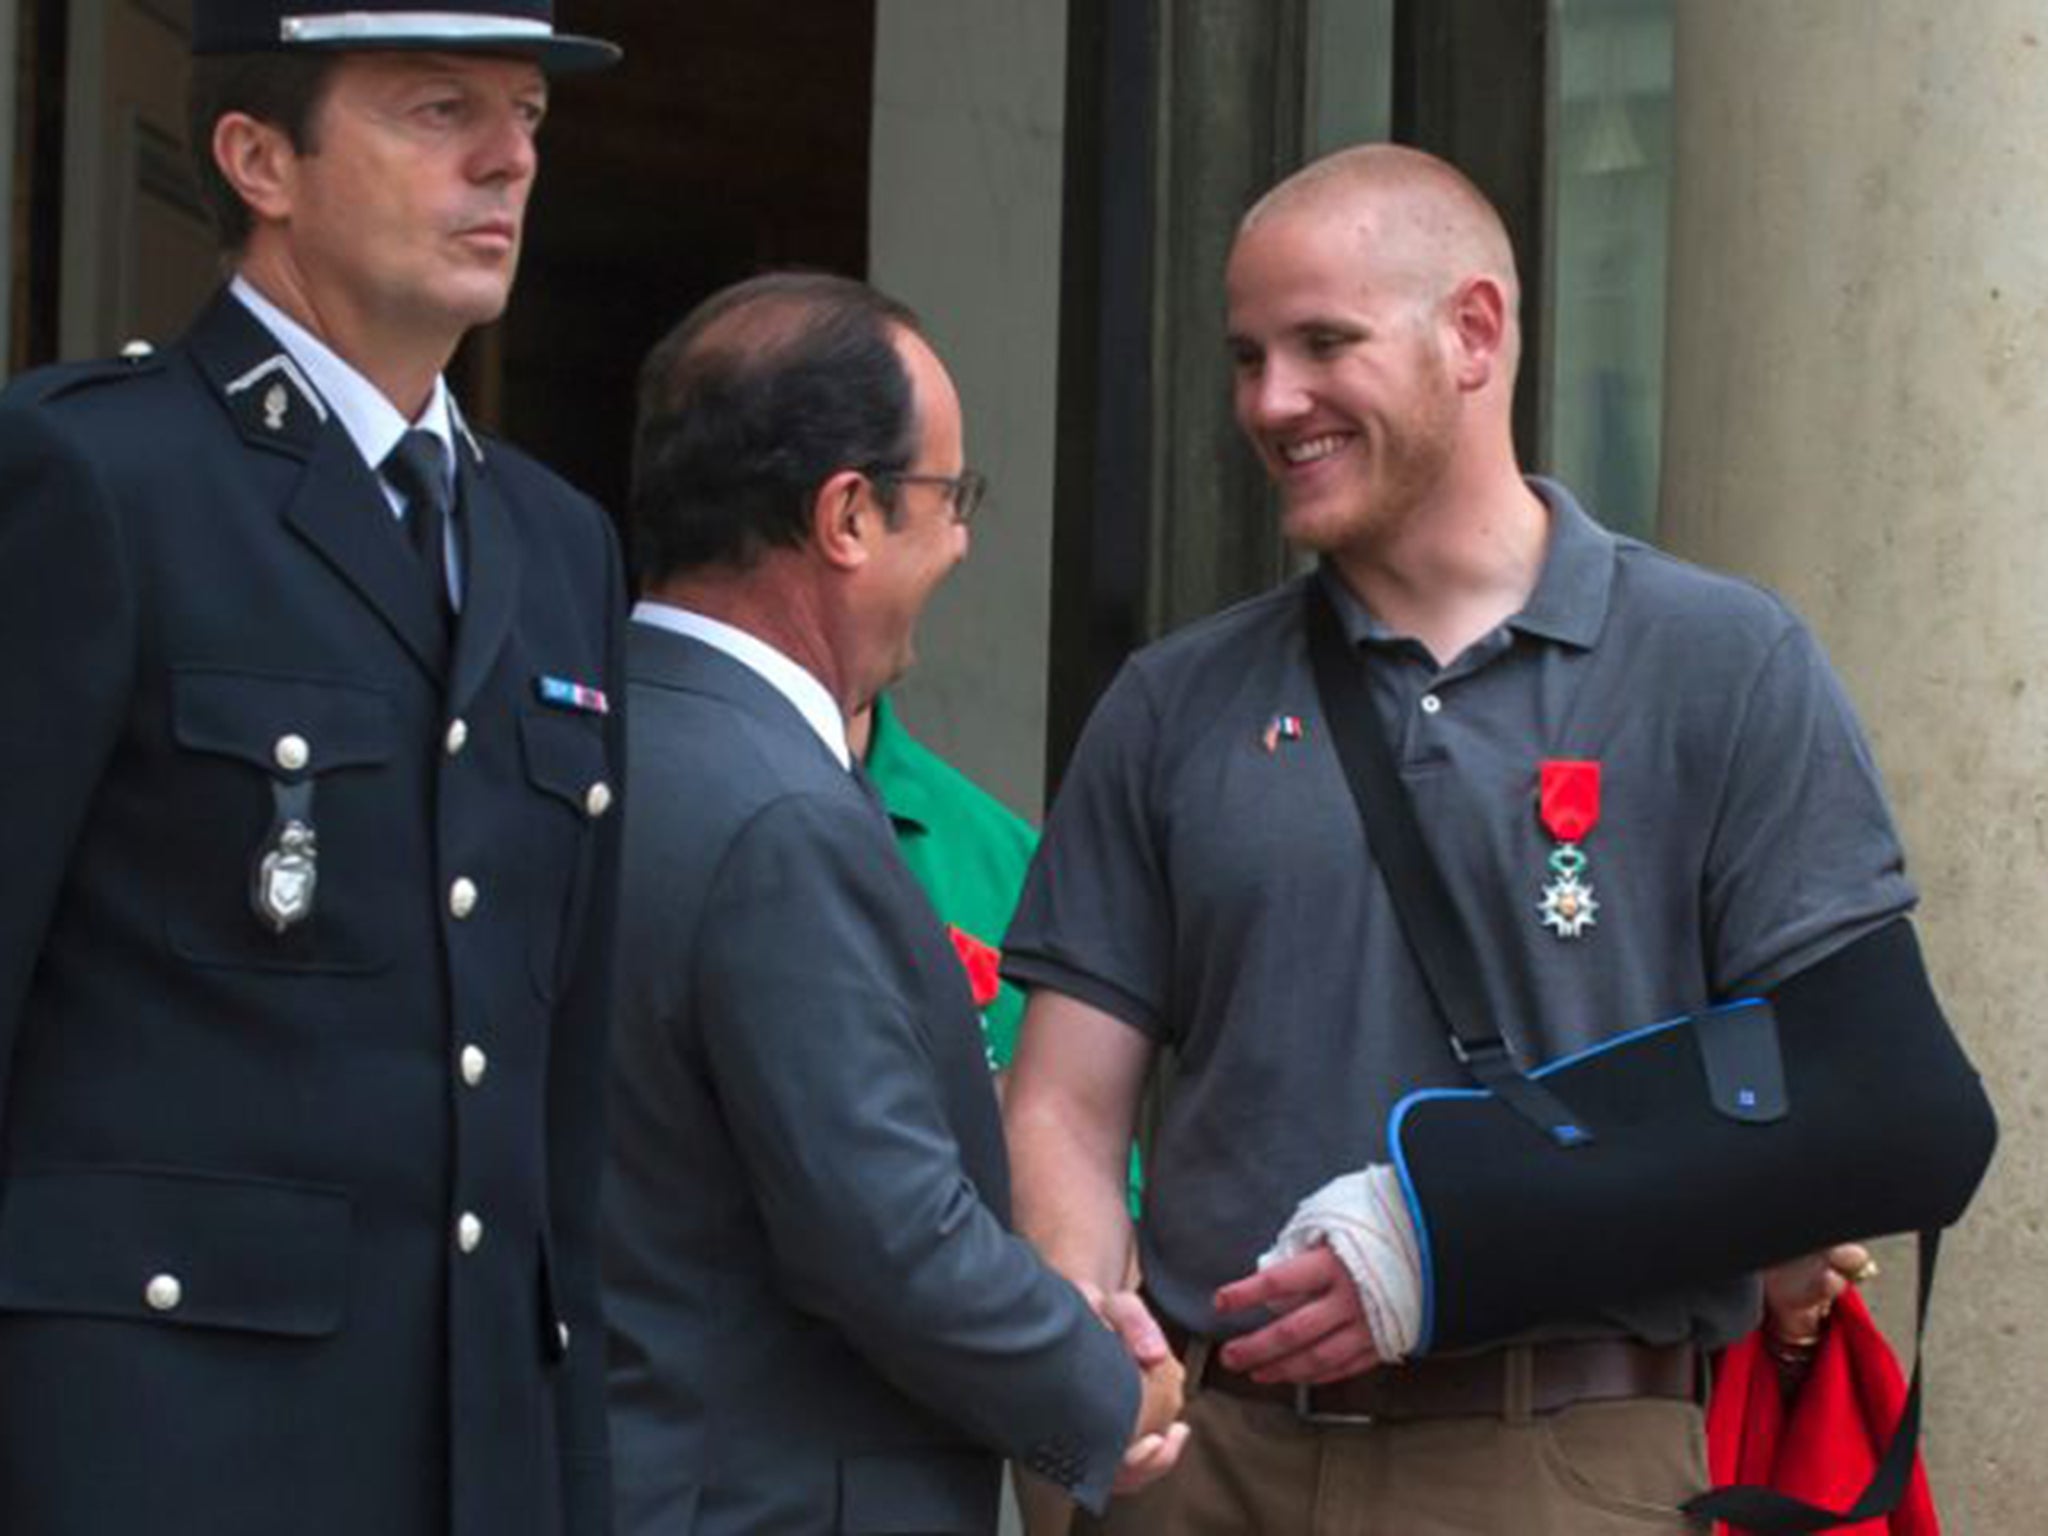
{"x":308,"y":736}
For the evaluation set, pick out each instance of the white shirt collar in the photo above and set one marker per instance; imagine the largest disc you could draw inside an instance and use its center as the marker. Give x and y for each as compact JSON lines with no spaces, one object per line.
{"x":785,"y":676}
{"x":373,"y":423}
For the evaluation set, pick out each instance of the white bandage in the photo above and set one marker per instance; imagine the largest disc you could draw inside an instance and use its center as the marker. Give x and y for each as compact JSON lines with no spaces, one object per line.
{"x":1363,"y":1219}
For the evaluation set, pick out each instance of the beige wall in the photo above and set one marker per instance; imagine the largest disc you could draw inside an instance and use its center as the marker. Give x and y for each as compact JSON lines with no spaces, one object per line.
{"x":1857,"y":415}
{"x":965,"y":226}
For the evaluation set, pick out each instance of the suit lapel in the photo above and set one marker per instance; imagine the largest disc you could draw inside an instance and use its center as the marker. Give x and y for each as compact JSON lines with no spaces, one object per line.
{"x":490,"y":565}
{"x":337,"y":506}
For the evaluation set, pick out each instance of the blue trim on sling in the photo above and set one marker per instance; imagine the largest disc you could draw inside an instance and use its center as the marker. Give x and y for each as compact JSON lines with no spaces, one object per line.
{"x":1409,"y":1102}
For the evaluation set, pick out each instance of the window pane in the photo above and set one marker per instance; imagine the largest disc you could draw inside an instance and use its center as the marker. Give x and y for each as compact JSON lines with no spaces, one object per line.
{"x":1350,"y":73}
{"x":1611,"y":184}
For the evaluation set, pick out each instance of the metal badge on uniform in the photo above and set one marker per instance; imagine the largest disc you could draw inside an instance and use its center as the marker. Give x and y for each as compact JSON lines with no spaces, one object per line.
{"x":277,"y":401}
{"x":1569,"y":804}
{"x":564,"y":694}
{"x":287,"y":873}
{"x":287,"y":876}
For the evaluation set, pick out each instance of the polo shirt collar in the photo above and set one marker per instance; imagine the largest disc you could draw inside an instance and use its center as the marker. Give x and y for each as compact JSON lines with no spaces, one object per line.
{"x":1569,"y":603}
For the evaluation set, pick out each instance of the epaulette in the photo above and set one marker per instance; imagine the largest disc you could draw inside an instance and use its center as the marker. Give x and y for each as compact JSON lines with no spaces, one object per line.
{"x":136,"y":360}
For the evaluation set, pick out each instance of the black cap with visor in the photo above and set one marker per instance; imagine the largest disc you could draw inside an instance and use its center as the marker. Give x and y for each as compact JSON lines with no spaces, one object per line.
{"x":522,"y":27}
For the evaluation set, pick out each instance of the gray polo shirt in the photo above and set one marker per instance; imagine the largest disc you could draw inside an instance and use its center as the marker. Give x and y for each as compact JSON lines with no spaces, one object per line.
{"x":1205,"y":879}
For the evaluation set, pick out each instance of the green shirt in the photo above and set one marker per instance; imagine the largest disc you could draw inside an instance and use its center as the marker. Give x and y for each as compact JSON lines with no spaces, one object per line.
{"x":967,"y":849}
{"x":970,"y":852}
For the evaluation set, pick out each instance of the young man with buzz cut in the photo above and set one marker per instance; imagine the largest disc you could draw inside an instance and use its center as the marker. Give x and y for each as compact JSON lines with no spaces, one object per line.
{"x":1205,"y":885}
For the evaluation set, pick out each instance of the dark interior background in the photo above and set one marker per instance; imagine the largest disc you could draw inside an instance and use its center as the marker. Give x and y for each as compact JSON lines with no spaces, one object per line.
{"x":730,"y":140}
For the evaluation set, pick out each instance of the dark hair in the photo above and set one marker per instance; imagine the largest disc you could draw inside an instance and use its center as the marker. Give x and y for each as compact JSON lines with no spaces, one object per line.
{"x":761,"y":394}
{"x":282,"y":89}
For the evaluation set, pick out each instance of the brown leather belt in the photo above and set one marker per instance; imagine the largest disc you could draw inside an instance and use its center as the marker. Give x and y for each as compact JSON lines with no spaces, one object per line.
{"x":1499,"y":1383}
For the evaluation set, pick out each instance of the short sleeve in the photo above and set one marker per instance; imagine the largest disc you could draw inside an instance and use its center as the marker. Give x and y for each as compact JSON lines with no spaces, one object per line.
{"x":1804,"y":856}
{"x":1094,"y":920}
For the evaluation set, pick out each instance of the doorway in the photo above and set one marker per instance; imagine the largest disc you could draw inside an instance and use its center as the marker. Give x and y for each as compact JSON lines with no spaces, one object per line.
{"x":721,"y":146}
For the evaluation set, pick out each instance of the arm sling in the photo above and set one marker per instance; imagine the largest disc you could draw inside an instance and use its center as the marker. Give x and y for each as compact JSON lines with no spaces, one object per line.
{"x":1671,"y":1154}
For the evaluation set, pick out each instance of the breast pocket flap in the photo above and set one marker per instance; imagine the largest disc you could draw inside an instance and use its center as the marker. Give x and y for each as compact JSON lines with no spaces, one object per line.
{"x":283,"y":725}
{"x":565,"y":756}
{"x":185,"y":1250}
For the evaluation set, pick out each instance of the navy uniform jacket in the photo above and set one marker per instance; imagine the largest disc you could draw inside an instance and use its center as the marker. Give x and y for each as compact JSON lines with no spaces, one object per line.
{"x":820,"y":1322}
{"x":237,"y":1290}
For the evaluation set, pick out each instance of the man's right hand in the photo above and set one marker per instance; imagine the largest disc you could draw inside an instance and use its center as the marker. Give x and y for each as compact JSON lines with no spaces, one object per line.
{"x":1068,"y":1116}
{"x":1159,"y":1434}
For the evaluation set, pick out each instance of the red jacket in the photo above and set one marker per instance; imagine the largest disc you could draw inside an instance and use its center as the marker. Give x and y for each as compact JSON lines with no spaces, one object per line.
{"x":1823,"y":1445}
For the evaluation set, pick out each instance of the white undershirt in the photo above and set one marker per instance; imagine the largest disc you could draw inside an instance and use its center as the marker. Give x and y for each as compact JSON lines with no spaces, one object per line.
{"x":372,"y":422}
{"x":785,"y":676}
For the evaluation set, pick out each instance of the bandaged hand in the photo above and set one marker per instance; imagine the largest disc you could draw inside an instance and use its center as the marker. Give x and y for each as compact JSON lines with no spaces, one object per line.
{"x":1363,"y":1219}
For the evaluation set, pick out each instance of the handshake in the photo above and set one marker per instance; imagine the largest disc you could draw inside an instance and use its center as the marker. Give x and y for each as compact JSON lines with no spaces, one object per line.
{"x":1159,"y":1434}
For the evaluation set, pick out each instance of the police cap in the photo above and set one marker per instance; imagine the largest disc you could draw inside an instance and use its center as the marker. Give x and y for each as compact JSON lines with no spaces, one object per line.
{"x":525,"y":27}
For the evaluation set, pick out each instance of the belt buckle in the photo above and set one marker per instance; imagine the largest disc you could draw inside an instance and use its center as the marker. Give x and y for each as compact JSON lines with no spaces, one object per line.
{"x":1305,"y":1411}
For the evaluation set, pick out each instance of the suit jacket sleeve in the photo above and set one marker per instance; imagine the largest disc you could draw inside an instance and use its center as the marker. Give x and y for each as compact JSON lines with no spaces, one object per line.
{"x":66,"y":646}
{"x":808,"y":991}
{"x":576,"y":1136}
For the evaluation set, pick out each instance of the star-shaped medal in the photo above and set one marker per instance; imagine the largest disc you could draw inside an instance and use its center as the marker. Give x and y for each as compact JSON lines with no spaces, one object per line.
{"x":1568,"y":906}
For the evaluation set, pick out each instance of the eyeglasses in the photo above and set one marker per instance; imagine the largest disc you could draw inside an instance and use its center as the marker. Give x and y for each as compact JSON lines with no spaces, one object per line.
{"x":965,"y":491}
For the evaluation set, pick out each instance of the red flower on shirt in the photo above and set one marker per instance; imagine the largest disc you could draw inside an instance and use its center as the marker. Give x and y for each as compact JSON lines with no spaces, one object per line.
{"x":983,"y":963}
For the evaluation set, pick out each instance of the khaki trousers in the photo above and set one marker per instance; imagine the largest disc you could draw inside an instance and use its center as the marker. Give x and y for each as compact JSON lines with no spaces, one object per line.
{"x":1595,"y":1469}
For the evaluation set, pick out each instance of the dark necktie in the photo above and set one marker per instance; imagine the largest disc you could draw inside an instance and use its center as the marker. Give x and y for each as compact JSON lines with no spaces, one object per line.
{"x":418,"y":470}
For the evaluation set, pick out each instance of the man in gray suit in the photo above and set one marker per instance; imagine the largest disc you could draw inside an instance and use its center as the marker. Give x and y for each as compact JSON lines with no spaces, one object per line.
{"x":819,"y":1318}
